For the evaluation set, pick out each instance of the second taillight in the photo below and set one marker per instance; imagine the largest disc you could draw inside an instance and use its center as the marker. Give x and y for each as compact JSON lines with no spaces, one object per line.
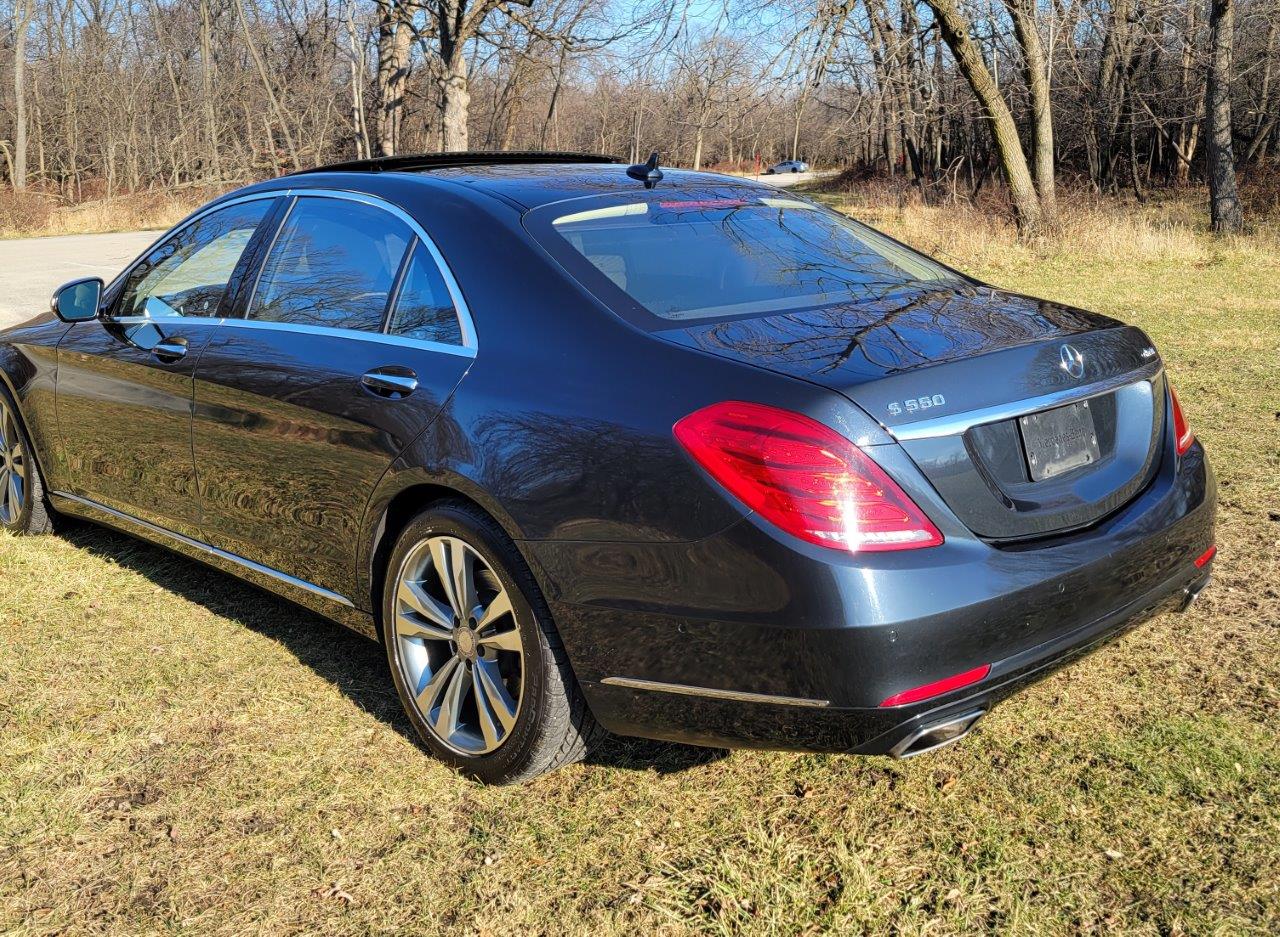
{"x":804,"y":477}
{"x":1183,"y":437}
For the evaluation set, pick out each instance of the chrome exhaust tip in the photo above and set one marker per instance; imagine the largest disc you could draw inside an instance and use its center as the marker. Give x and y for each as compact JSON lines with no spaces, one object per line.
{"x":1191,"y":593}
{"x":936,"y":735}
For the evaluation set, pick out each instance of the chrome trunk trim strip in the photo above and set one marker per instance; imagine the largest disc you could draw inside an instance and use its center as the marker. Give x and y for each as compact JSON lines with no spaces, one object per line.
{"x":962,"y":422}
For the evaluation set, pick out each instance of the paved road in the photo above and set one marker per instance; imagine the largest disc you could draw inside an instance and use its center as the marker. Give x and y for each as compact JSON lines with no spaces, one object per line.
{"x":784,"y":180}
{"x":32,"y":268}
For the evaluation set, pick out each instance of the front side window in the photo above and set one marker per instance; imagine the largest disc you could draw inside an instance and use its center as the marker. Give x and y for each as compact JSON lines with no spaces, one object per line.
{"x":187,"y":275}
{"x":334,"y":264}
{"x":698,"y":259}
{"x":424,"y":309}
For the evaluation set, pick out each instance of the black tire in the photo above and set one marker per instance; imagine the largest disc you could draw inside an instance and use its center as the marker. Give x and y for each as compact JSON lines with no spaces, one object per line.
{"x":34,"y":516}
{"x":553,"y":726}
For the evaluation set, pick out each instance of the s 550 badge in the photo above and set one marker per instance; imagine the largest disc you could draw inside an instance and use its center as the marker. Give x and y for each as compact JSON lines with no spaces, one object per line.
{"x":916,"y":404}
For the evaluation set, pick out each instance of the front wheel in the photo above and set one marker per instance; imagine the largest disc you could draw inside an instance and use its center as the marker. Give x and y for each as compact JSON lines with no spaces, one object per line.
{"x":475,"y":657}
{"x":22,"y":505}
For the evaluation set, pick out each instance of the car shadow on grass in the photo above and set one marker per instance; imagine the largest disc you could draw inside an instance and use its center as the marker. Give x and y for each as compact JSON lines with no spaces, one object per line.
{"x":354,"y":664}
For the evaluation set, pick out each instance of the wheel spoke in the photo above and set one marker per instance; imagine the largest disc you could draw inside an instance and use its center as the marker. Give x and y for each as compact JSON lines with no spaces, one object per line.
{"x":451,"y":704}
{"x":496,"y":699}
{"x":429,"y":695}
{"x":15,"y":494}
{"x":498,"y":608}
{"x":17,"y":461}
{"x":455,"y":564}
{"x":464,"y":578}
{"x":508,"y":640}
{"x":431,"y":617}
{"x":4,"y":496}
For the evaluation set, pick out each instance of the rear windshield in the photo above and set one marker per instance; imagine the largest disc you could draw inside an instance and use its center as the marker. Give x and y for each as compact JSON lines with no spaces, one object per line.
{"x":719,"y":258}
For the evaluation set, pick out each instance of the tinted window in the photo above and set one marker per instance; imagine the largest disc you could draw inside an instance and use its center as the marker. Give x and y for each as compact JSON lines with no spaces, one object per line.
{"x":723,"y":257}
{"x":333,"y":264}
{"x":187,"y":274}
{"x":424,"y":308}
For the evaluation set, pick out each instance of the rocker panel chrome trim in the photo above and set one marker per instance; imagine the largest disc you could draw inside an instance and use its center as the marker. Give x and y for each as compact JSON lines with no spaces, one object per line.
{"x":206,"y":548}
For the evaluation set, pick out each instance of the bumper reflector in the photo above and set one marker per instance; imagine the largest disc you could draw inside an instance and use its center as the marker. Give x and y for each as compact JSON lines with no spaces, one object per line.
{"x":1205,"y":557}
{"x":938,"y":687}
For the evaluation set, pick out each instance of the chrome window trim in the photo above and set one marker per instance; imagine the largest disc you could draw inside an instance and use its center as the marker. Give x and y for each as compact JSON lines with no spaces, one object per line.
{"x":381,"y":338}
{"x":182,"y":226}
{"x":958,"y":424}
{"x":208,"y":548}
{"x":466,"y":324}
{"x":740,"y":696}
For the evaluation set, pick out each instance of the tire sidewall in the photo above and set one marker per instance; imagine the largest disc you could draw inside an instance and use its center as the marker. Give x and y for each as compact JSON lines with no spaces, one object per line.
{"x":32,"y":483}
{"x":450,"y":521}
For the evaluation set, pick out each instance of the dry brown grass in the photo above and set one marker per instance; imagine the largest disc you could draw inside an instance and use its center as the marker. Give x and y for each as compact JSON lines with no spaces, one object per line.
{"x":41,"y":214}
{"x":181,"y":753}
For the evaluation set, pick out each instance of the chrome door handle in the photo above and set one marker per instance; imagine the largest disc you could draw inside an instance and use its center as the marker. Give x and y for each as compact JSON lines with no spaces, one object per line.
{"x":170,"y":349}
{"x":388,"y":383}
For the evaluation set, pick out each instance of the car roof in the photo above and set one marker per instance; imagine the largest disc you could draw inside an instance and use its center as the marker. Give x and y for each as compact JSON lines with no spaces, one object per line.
{"x":527,"y":180}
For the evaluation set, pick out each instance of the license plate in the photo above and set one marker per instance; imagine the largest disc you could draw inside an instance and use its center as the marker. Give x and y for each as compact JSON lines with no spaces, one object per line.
{"x":1059,"y":440}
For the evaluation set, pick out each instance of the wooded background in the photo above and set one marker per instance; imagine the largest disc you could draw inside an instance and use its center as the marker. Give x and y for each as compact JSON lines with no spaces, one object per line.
{"x":110,"y":96}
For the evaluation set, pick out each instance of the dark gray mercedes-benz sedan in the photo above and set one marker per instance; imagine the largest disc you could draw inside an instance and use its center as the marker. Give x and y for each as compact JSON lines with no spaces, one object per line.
{"x":594,"y":447}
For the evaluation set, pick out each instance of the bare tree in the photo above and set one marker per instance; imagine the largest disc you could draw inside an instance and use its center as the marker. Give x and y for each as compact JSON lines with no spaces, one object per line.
{"x":1035,"y":71}
{"x":956,"y":30}
{"x":1225,"y":211}
{"x":22,"y":14}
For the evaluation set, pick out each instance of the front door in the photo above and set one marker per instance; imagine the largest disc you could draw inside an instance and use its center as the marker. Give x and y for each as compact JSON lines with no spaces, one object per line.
{"x":124,"y":389}
{"x":350,"y":344}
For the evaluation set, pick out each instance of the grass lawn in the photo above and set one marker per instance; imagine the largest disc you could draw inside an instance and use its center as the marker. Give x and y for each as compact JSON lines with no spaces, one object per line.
{"x":181,"y":752}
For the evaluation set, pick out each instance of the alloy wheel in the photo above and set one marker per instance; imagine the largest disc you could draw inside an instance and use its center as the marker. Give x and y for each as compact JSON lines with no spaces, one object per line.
{"x":13,"y":468}
{"x":458,"y":645}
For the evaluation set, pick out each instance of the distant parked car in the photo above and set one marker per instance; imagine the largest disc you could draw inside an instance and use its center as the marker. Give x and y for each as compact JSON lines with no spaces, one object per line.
{"x":589,"y":448}
{"x":789,"y":165}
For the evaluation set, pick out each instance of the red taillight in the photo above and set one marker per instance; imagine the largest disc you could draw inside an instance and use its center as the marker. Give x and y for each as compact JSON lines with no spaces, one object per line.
{"x":1205,"y":557}
{"x":804,"y":477}
{"x":1182,"y":435}
{"x":938,"y":687}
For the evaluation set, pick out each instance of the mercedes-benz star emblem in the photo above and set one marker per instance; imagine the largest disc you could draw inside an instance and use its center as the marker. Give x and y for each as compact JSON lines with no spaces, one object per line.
{"x":1072,"y":361}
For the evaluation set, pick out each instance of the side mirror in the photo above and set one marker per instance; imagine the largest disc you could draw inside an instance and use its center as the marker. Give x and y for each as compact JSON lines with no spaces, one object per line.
{"x":78,"y":300}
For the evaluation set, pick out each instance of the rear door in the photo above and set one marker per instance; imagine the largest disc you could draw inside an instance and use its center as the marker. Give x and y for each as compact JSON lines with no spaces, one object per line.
{"x":124,"y":386}
{"x":344,"y":349}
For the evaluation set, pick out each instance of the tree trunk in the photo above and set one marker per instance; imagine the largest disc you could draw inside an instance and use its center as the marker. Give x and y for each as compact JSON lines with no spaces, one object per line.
{"x":22,"y":19}
{"x":1037,"y":75}
{"x":1188,"y":131}
{"x":394,"y":40}
{"x":1013,"y":161}
{"x":1225,"y":211}
{"x":1108,"y":96}
{"x":206,"y":92}
{"x":455,"y":102}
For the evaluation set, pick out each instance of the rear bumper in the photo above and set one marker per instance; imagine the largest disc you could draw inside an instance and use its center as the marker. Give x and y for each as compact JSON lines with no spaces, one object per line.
{"x":744,"y":640}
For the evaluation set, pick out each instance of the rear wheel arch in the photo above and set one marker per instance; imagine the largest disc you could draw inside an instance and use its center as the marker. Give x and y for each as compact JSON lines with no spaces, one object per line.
{"x":399,"y":512}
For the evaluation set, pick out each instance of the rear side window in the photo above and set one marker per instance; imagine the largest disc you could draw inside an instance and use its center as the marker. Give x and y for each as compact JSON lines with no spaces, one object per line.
{"x":334,"y":264}
{"x":424,"y":309}
{"x":688,"y":259}
{"x":188,"y":274}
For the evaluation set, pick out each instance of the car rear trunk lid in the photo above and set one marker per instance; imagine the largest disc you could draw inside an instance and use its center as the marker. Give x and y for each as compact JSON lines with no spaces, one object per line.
{"x":1028,"y":418}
